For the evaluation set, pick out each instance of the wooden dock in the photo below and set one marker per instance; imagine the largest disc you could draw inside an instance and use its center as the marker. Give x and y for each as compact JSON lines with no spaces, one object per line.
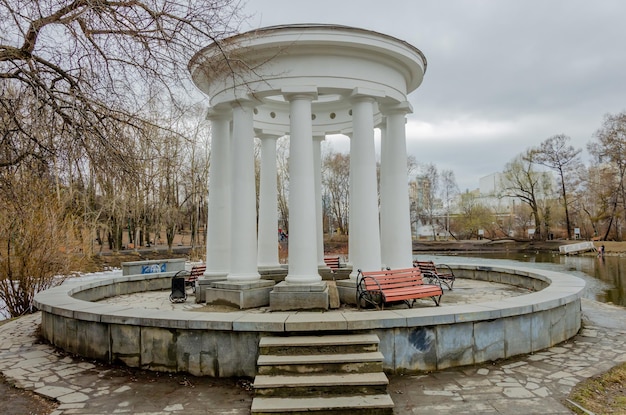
{"x":576,"y":248}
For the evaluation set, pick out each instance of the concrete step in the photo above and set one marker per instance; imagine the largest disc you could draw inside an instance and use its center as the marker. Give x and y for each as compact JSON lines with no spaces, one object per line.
{"x":315,"y":363}
{"x":334,"y":339}
{"x":354,"y":343}
{"x":366,"y":404}
{"x":334,"y":374}
{"x":323,"y":385}
{"x":264,"y":360}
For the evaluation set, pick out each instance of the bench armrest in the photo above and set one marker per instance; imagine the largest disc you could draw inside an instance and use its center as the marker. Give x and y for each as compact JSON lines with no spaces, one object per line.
{"x":432,"y":278}
{"x":448,"y":270}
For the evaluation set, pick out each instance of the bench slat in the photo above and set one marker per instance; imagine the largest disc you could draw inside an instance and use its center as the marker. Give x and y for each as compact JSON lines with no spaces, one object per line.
{"x":333,"y":263}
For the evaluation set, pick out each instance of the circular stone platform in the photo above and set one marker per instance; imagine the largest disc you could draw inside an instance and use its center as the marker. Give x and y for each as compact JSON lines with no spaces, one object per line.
{"x":466,"y":291}
{"x":223,"y":344}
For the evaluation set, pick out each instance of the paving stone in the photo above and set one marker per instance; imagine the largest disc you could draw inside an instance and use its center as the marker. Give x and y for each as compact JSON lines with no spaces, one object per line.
{"x":73,"y":398}
{"x":518,"y":393}
{"x":560,"y":375}
{"x":54,"y":391}
{"x":65,"y":406}
{"x":175,"y":407}
{"x":122,"y":389}
{"x":542,"y":392}
{"x":531,"y":386}
{"x":438,"y":393}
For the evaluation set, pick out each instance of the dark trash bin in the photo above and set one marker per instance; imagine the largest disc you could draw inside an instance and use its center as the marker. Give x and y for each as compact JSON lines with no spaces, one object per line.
{"x":178,"y":295}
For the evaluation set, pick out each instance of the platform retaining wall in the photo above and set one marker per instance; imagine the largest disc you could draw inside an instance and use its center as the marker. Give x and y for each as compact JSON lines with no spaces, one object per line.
{"x":226,"y":344}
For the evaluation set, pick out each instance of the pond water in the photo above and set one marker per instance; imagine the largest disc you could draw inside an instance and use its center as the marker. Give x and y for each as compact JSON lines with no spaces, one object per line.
{"x":605,"y":276}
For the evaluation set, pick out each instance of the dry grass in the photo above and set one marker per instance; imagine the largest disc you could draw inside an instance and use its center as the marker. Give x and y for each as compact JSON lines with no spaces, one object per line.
{"x":605,"y":394}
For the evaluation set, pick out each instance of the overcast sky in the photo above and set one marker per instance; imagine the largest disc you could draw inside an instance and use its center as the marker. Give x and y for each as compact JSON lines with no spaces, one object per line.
{"x":502,"y":75}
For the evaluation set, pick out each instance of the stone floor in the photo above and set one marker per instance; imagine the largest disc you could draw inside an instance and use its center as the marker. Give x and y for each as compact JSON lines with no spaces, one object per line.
{"x":465,"y":292}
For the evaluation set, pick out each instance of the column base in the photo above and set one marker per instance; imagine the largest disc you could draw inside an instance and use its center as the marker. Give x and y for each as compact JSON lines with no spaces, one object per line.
{"x":246,"y":294}
{"x":271,"y":268}
{"x":204,"y":284}
{"x":288,"y":297}
{"x":347,"y":291}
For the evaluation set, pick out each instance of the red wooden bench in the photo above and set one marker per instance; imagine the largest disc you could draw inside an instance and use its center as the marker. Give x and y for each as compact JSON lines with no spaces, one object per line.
{"x":333,"y":263}
{"x":378,"y":288}
{"x":192,"y":276}
{"x":429,"y":268}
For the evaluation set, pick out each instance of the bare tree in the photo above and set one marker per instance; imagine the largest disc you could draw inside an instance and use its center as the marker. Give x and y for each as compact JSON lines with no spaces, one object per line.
{"x":85,"y":66}
{"x":524,"y":182}
{"x":282,"y":159}
{"x":77,"y":80}
{"x":449,"y":189}
{"x":556,"y":154}
{"x":38,"y":241}
{"x":473,"y":216}
{"x":596,"y":199}
{"x":336,"y":189}
{"x":610,"y":149}
{"x":427,"y":201}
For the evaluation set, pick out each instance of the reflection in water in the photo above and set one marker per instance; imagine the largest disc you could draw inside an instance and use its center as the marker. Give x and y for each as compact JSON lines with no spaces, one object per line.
{"x":605,"y":276}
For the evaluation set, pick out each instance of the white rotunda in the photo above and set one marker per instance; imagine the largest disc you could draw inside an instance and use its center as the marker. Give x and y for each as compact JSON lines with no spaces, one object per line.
{"x":304,"y":81}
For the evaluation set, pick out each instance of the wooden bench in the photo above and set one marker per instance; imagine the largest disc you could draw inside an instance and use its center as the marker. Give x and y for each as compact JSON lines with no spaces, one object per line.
{"x":192,"y":276}
{"x":378,"y":288}
{"x":333,"y":263}
{"x":429,"y":268}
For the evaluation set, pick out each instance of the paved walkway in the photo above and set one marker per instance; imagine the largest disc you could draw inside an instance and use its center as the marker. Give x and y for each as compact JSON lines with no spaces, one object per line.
{"x":533,"y":384}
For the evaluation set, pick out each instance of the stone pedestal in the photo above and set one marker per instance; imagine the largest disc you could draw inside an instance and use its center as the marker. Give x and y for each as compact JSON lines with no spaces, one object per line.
{"x":285,"y":297}
{"x":241,"y":294}
{"x":203,"y":284}
{"x":347,"y":291}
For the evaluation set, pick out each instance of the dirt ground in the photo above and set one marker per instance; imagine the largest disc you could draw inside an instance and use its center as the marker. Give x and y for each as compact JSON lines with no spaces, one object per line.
{"x":21,"y":402}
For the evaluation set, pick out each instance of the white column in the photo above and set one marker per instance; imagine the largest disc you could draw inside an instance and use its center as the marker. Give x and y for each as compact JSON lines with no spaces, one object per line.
{"x":382,"y":186}
{"x":243,"y":259}
{"x":268,"y":203}
{"x":302,"y":212}
{"x":352,"y":245}
{"x":218,"y":221}
{"x":317,"y":164}
{"x":395,"y":217}
{"x":364,"y":224}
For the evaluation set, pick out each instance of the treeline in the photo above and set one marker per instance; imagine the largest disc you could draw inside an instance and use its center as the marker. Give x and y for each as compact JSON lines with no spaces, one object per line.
{"x":545,"y":192}
{"x":93,"y":139}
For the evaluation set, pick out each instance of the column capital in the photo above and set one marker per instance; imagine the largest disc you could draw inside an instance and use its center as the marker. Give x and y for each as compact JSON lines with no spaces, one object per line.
{"x":305,"y":91}
{"x":219,"y":112}
{"x":382,"y":124}
{"x":319,"y":138}
{"x":403,"y":107}
{"x":246,"y":102}
{"x":262,"y":135}
{"x":365,"y":94}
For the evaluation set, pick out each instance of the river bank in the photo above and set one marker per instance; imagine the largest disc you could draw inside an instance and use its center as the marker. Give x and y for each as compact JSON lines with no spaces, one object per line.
{"x":509,"y":245}
{"x":339,"y":246}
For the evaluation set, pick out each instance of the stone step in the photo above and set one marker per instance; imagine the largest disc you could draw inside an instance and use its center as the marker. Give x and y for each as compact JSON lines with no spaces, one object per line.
{"x":325,"y":384}
{"x":265,"y":360}
{"x":366,"y":404}
{"x":334,"y":339}
{"x":316,"y":363}
{"x":277,"y":345}
{"x":334,"y":374}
